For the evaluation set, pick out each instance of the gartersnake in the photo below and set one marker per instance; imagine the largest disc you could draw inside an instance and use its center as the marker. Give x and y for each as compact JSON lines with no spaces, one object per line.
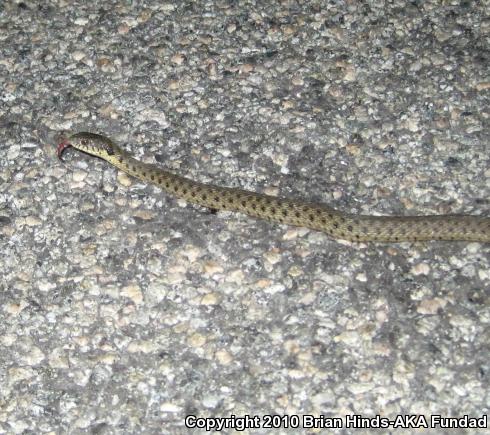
{"x":338,"y":225}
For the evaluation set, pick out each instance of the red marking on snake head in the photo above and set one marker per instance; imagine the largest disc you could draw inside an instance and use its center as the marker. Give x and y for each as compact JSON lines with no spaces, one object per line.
{"x":61,"y":147}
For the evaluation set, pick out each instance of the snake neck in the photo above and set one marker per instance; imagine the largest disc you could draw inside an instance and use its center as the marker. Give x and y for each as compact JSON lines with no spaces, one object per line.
{"x":131,"y":166}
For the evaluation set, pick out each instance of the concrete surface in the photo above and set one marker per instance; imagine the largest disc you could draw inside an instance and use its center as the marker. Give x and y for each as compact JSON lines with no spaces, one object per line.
{"x":124,"y":311}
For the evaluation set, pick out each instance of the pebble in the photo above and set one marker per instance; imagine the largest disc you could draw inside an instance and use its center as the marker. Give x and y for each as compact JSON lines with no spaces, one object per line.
{"x":420,"y":269}
{"x":133,"y":292}
{"x":212,"y":268}
{"x":170,"y":407}
{"x":124,"y":179}
{"x":210,"y":299}
{"x":431,"y":306}
{"x":79,"y":176}
{"x":196,"y":340}
{"x":224,"y":357}
{"x":33,"y":221}
{"x":13,"y":152}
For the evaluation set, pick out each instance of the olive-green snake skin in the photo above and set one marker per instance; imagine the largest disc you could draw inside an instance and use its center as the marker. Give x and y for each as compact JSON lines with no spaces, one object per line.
{"x":336,"y":224}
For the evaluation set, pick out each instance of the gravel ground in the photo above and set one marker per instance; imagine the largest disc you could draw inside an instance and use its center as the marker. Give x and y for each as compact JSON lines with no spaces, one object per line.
{"x":124,"y":310}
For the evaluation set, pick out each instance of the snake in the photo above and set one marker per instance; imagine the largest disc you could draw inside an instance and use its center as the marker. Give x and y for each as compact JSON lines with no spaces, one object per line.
{"x":335,"y":223}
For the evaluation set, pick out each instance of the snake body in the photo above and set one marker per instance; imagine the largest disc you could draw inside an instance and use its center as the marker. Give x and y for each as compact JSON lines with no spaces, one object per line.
{"x":336,"y":224}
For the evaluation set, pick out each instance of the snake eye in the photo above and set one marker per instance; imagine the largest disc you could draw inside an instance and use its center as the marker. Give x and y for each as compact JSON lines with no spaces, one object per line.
{"x":84,"y":142}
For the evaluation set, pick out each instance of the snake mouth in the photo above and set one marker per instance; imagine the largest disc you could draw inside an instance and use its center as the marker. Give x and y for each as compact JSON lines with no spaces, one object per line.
{"x":61,"y":147}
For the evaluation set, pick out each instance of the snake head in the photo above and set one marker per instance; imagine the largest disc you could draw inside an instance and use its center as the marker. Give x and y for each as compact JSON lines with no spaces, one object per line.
{"x":90,"y":143}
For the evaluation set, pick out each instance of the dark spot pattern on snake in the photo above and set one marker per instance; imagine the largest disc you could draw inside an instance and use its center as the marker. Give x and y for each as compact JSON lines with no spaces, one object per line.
{"x":336,"y":224}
